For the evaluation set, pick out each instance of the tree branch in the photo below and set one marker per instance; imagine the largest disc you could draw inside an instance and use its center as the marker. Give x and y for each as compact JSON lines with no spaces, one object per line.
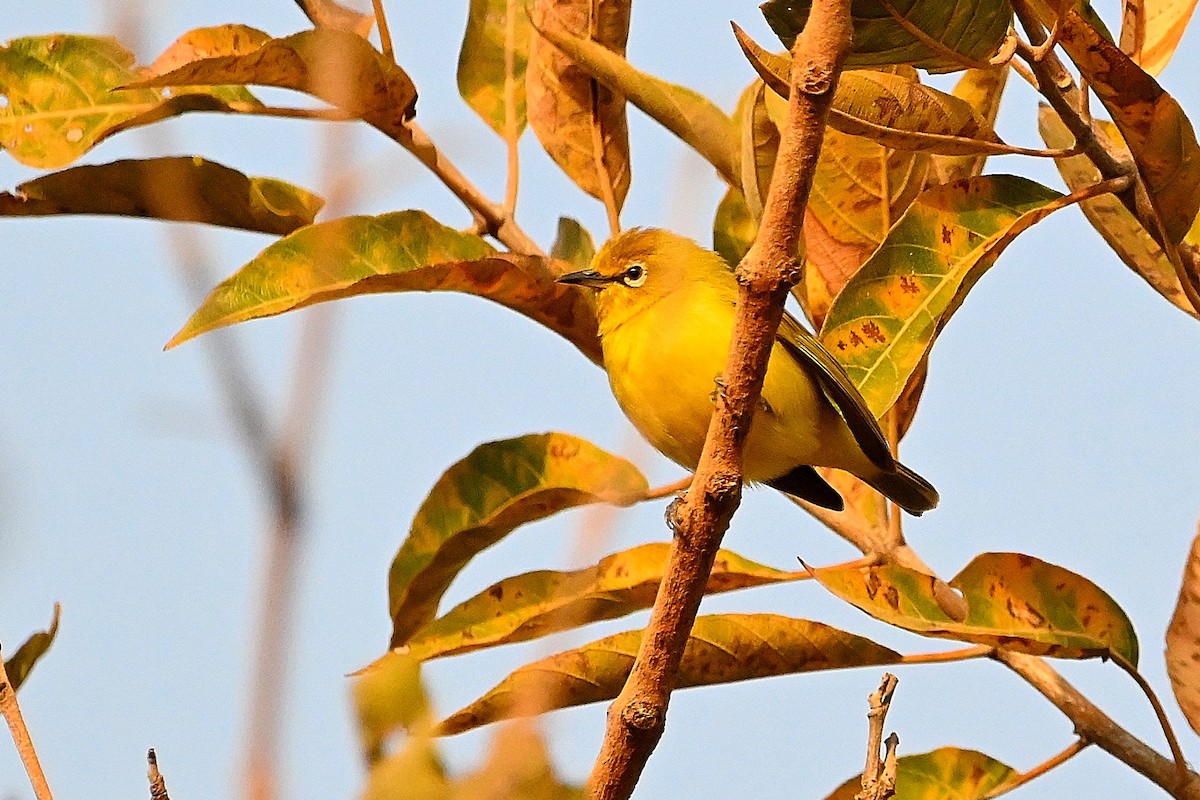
{"x":11,"y":712}
{"x":879,"y":776}
{"x":637,"y":717}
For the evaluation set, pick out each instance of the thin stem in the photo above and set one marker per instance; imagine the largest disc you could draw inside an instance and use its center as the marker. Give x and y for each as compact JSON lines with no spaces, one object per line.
{"x":1075,"y":748}
{"x":385,"y":36}
{"x":659,"y":492}
{"x":21,"y":738}
{"x":1168,"y":731}
{"x":512,"y":136}
{"x":965,"y":654}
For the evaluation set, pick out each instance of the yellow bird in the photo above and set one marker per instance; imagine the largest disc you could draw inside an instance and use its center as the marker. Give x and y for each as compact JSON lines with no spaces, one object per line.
{"x":666,"y":312}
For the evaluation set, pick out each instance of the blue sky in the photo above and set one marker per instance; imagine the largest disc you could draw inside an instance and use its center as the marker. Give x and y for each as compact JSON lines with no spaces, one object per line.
{"x":1058,"y":421}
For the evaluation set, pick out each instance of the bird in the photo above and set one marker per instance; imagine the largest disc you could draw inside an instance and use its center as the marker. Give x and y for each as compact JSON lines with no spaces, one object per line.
{"x":665,"y":308}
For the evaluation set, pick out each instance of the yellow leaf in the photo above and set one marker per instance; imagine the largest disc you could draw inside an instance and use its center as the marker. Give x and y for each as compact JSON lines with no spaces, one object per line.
{"x":1183,"y":641}
{"x":492,"y":61}
{"x":518,"y":767}
{"x":945,"y":774}
{"x":221,"y":40}
{"x":1162,"y":25}
{"x":389,"y":696}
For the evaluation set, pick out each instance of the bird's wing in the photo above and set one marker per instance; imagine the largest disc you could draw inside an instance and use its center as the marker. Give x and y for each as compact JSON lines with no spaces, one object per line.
{"x":836,"y":384}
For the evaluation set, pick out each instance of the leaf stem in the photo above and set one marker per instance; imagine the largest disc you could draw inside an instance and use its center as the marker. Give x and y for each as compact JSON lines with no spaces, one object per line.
{"x":385,"y":36}
{"x":1159,"y":711}
{"x":21,"y":738}
{"x":512,"y":134}
{"x":1075,"y":748}
{"x":965,"y":654}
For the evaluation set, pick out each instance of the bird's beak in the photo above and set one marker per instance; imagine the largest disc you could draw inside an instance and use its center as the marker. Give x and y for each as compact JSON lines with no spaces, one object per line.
{"x":586,"y":277}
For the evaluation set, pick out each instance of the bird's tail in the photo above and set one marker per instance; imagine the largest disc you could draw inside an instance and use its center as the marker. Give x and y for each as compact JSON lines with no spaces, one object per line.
{"x":905,"y":488}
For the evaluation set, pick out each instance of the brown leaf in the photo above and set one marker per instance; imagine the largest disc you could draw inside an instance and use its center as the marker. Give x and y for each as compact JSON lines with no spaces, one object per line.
{"x":1183,"y":641}
{"x":579,"y":121}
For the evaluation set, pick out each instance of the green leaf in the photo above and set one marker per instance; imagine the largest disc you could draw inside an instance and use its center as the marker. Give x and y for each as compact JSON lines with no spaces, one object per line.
{"x":22,"y":662}
{"x":1183,"y":641}
{"x":389,"y":696}
{"x":945,"y":774}
{"x":491,"y":64}
{"x":1156,"y":130}
{"x":481,"y":499}
{"x":1119,"y":228}
{"x":887,"y":317}
{"x":688,"y":114}
{"x":936,"y":35}
{"x":186,"y":189}
{"x":733,"y":227}
{"x":1014,"y":602}
{"x":397,"y":252}
{"x":580,"y":122}
{"x":722,"y":648}
{"x":982,"y":90}
{"x":540,"y":603}
{"x":60,"y":96}
{"x":573,"y":244}
{"x":338,"y":67}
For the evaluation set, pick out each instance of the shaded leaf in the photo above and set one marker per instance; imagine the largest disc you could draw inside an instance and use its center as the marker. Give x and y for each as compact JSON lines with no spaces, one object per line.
{"x":982,"y":90}
{"x":336,"y":66}
{"x":491,"y":64}
{"x":722,"y":648}
{"x":182,"y":188}
{"x":573,"y":244}
{"x":1121,"y":229}
{"x":579,"y":121}
{"x":481,"y":499}
{"x":688,"y":114}
{"x":389,"y":696}
{"x":936,"y":35}
{"x":885,"y":320}
{"x":1156,"y":130}
{"x":59,"y":98}
{"x":518,"y":767}
{"x":948,"y":773}
{"x":221,"y":40}
{"x":414,"y":772}
{"x":758,"y":146}
{"x":1183,"y":641}
{"x":539,"y":603}
{"x":21,"y":663}
{"x":330,"y":14}
{"x":733,"y":227}
{"x":1014,"y":602}
{"x":397,"y":252}
{"x":1162,"y":26}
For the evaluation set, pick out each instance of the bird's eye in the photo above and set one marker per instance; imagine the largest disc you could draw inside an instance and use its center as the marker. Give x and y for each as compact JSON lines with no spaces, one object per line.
{"x":634,"y":276}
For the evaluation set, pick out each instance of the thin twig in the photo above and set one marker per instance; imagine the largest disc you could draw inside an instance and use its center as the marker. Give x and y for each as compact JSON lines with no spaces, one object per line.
{"x":512,"y":136}
{"x":385,"y":36}
{"x":1073,"y":749}
{"x":659,"y":492}
{"x":21,"y":738}
{"x":637,"y":717}
{"x":1159,"y":711}
{"x":158,"y":786}
{"x":876,"y":783}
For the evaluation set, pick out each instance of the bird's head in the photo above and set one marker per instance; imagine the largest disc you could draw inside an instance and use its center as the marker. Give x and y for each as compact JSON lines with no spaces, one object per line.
{"x":637,"y":268}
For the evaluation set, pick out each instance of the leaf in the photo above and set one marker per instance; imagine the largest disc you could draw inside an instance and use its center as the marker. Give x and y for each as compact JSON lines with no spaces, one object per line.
{"x":518,"y":767}
{"x":1155,"y":128}
{"x":60,"y":98}
{"x":948,"y":773}
{"x":936,"y":35}
{"x":415,"y":772}
{"x":182,"y":189}
{"x":336,"y":66}
{"x":733,"y":227}
{"x":22,"y":662}
{"x":491,"y":64}
{"x":981,"y":89}
{"x":537,"y":604}
{"x":1163,"y":24}
{"x":1183,"y":641}
{"x":1014,"y":602}
{"x":580,"y":122}
{"x":722,"y":648}
{"x":688,"y":114}
{"x":220,"y":40}
{"x":481,"y":499}
{"x":389,"y":696}
{"x":886,"y":319}
{"x":758,"y":146}
{"x":396,"y":252}
{"x":330,"y":14}
{"x":1121,"y":229}
{"x":573,"y":244}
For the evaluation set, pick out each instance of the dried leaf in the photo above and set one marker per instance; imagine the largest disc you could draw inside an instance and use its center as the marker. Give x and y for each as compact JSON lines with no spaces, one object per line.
{"x":579,"y":121}
{"x":27,"y":655}
{"x":573,"y":244}
{"x":1014,"y":602}
{"x":948,"y":773}
{"x":936,"y":35}
{"x":539,"y":603}
{"x":397,"y":252}
{"x":1183,"y":641}
{"x":1163,"y":23}
{"x":722,"y":648}
{"x":492,"y":61}
{"x":330,"y":14}
{"x":336,"y":66}
{"x":481,"y":499}
{"x":981,"y":89}
{"x":1156,"y":130}
{"x":689,"y":115}
{"x":886,"y":319}
{"x":221,"y":40}
{"x":182,"y":189}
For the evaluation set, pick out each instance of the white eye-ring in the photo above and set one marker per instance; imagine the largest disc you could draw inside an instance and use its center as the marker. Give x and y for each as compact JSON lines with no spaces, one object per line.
{"x":634,"y":276}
